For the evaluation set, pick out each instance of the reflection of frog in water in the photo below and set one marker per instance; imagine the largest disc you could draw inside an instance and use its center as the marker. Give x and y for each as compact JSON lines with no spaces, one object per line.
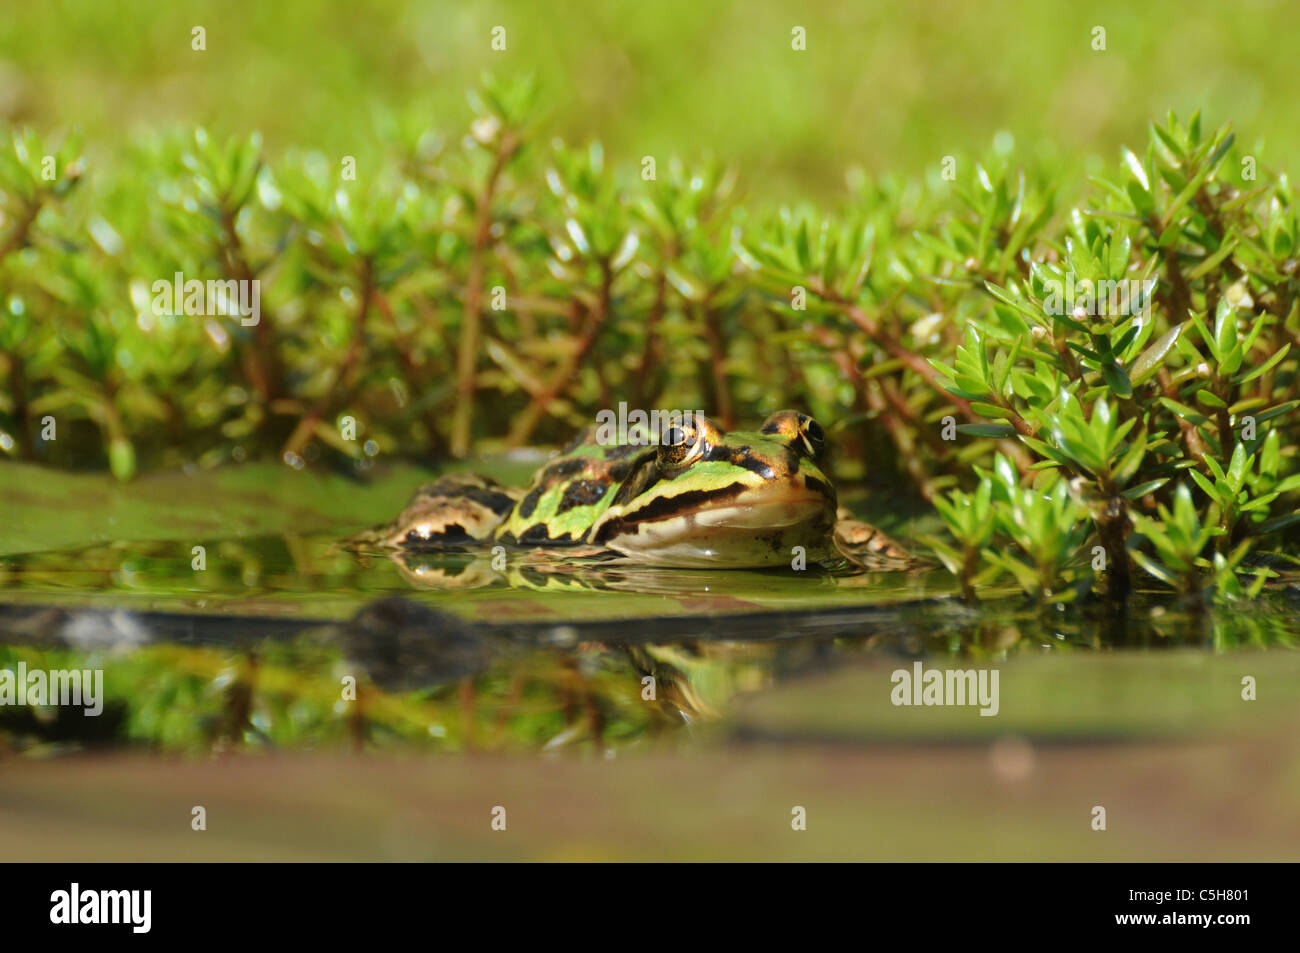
{"x":701,"y":498}
{"x":404,"y":646}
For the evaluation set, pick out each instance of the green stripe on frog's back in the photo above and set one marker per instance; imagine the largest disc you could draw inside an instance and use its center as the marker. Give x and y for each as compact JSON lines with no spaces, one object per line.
{"x":567,"y":495}
{"x":753,"y":460}
{"x":746,"y":463}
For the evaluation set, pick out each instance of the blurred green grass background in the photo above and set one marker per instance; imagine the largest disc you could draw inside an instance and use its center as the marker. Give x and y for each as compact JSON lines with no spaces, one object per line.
{"x":889,"y":87}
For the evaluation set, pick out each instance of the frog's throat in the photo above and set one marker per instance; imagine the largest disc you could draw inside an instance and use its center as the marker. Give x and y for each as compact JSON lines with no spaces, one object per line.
{"x":777,"y":530}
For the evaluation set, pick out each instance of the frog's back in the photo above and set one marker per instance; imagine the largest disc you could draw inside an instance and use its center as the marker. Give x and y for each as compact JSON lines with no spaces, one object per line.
{"x":567,"y":495}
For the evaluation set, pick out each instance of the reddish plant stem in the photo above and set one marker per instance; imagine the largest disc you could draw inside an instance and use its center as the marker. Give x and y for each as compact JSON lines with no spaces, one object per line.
{"x":717,"y":360}
{"x":1192,"y":439}
{"x":900,"y":435}
{"x":1222,"y":420}
{"x":468,"y":349}
{"x":912,"y":360}
{"x":527,"y":421}
{"x":649,"y":352}
{"x":260,"y":365}
{"x":22,"y":228}
{"x":415,"y":377}
{"x":905,"y":411}
{"x":302,"y":433}
{"x":897,"y":406}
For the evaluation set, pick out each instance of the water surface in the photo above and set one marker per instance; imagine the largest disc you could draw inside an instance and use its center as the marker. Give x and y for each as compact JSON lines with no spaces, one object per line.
{"x":225,"y":614}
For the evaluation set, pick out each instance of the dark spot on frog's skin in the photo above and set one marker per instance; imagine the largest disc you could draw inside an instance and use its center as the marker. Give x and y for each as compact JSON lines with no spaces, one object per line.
{"x":498,"y":503}
{"x":451,"y":535}
{"x":771,"y":428}
{"x":537,"y":534}
{"x":619,"y":471}
{"x":622,"y":451}
{"x":562,"y":470}
{"x":666,"y":508}
{"x":534,"y":534}
{"x":582,"y":493}
{"x":529,"y":502}
{"x":740,"y":457}
{"x":817,"y":486}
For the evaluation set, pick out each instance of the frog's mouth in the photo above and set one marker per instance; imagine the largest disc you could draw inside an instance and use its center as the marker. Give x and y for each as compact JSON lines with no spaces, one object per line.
{"x":740,"y":528}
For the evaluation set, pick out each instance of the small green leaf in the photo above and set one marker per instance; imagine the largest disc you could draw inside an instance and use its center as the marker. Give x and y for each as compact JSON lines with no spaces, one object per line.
{"x":1117,"y":379}
{"x":1147,"y":365}
{"x":1209,"y":398}
{"x":1278,"y":522}
{"x":1142,"y":489}
{"x":989,"y":410}
{"x":987,"y":430}
{"x":1263,"y":368}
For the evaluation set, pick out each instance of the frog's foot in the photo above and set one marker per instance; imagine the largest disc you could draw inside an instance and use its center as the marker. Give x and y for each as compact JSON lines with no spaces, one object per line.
{"x":445,"y":571}
{"x":458,"y":509}
{"x":864,"y":545}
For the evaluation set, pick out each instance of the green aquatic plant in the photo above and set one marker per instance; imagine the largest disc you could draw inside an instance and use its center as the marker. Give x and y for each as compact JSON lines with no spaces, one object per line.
{"x":1132,"y":332}
{"x":1100,"y":362}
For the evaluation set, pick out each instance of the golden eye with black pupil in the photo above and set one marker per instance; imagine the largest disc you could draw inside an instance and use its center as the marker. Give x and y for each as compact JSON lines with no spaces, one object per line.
{"x":680,"y":446}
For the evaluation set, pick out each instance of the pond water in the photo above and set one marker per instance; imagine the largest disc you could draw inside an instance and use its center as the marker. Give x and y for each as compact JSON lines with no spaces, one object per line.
{"x":213,"y":636}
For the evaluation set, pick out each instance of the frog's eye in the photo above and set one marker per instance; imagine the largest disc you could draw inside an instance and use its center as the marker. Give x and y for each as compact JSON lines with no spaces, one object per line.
{"x":801,"y":432}
{"x":814,"y":438}
{"x":680,"y":445}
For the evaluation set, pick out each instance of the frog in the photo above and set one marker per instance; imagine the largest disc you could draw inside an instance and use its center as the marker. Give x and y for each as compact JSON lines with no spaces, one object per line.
{"x":698,"y":496}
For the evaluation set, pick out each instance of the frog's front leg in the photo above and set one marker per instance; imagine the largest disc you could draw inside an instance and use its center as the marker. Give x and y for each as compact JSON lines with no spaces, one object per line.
{"x":455,"y":510}
{"x":864,"y":545}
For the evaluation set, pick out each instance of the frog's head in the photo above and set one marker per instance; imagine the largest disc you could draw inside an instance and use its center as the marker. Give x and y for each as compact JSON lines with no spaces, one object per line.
{"x":708,"y":498}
